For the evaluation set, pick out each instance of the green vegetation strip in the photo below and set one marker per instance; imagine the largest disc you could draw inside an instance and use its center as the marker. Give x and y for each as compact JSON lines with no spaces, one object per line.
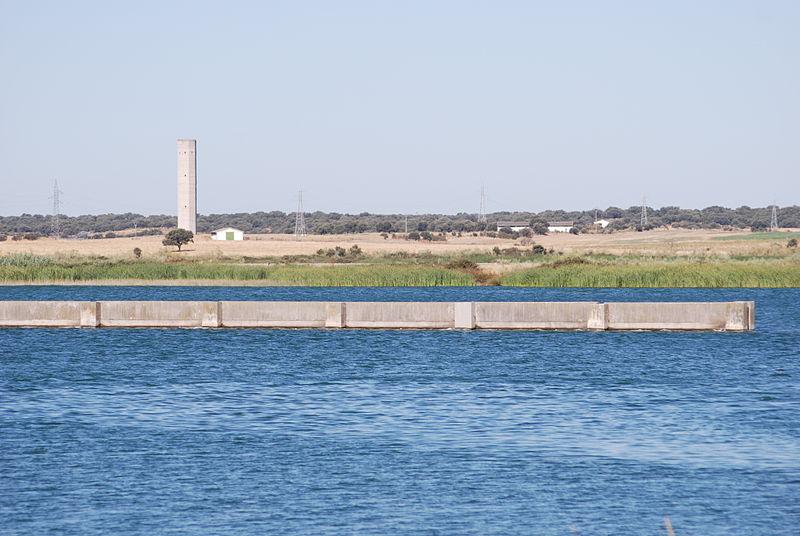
{"x":379,"y":275}
{"x":777,"y":236}
{"x":563,"y":272}
{"x":668,"y":275}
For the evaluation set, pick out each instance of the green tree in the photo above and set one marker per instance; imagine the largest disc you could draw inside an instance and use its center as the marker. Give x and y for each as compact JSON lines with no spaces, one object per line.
{"x":178,"y":237}
{"x":539,"y":228}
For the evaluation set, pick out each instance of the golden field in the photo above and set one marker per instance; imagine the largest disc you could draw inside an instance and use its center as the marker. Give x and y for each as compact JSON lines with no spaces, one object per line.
{"x":656,"y":242}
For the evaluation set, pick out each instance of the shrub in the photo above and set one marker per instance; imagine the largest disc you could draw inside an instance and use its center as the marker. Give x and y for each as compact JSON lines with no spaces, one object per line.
{"x":792,"y":243}
{"x":413,"y":235}
{"x":539,"y":228}
{"x":462,"y":264}
{"x":137,"y":253}
{"x":355,"y":251}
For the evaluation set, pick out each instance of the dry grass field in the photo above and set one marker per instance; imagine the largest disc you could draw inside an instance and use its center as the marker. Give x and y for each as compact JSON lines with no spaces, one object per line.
{"x":656,"y":242}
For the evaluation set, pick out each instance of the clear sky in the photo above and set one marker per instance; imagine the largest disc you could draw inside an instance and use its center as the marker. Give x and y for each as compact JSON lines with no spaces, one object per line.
{"x":403,"y":107}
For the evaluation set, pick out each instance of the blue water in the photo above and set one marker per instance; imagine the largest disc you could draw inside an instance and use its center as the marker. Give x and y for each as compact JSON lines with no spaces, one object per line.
{"x":313,"y":432}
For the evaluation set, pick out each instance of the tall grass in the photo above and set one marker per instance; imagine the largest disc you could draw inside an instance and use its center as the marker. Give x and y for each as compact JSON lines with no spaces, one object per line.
{"x":26,"y":259}
{"x":659,"y":275}
{"x":563,"y":272}
{"x":378,"y":275}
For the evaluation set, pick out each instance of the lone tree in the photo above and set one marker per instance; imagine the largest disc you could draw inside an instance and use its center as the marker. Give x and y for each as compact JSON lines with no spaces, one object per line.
{"x":178,"y":237}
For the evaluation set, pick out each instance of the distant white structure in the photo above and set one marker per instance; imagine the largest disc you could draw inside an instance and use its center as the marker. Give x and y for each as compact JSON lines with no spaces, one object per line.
{"x":602,"y":223}
{"x":559,"y":226}
{"x":227,"y":233}
{"x":187,"y":185}
{"x":516,"y":226}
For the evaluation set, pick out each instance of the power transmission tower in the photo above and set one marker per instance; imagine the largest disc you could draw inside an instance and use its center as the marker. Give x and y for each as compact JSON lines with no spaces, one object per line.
{"x":643,"y":220}
{"x":300,"y":219}
{"x":55,"y":222}
{"x":773,"y":222}
{"x":482,"y":213}
{"x":406,"y":224}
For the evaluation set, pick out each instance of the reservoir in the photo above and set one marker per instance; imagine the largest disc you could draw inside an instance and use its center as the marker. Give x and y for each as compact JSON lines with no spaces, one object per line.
{"x":334,"y":432}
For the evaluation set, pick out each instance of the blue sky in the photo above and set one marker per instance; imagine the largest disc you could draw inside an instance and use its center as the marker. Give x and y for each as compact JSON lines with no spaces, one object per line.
{"x":402,"y":107}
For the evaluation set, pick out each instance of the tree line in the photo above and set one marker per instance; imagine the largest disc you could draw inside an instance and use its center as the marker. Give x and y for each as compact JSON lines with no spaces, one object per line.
{"x":714,"y":217}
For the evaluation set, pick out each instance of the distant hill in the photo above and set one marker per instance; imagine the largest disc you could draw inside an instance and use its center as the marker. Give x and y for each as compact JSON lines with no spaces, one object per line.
{"x":715,"y":217}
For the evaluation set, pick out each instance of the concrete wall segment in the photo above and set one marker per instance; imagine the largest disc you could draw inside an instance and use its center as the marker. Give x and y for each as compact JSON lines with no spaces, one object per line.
{"x":183,"y":314}
{"x":403,"y":315}
{"x":44,"y":313}
{"x":533,"y":315}
{"x":249,"y":314}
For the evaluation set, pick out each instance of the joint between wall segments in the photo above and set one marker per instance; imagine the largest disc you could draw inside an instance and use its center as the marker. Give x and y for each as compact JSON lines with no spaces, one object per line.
{"x":89,"y":315}
{"x":335,"y":315}
{"x":464,"y":315}
{"x":598,"y":317}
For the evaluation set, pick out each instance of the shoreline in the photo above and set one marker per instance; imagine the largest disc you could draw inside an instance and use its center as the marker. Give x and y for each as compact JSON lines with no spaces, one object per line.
{"x":152,"y":283}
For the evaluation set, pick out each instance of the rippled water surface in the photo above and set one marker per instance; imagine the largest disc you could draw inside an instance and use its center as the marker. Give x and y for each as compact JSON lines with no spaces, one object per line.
{"x":168,"y":431}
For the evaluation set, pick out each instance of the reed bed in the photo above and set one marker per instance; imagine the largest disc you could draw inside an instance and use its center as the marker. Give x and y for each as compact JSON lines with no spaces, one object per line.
{"x":584,"y":271}
{"x":377,"y":275}
{"x":659,"y":275}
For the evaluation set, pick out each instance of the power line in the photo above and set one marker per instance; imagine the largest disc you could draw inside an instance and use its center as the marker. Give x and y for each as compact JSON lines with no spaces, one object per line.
{"x":773,"y":222}
{"x":482,"y":213}
{"x":300,"y":219}
{"x":643,"y":219}
{"x":55,"y":222}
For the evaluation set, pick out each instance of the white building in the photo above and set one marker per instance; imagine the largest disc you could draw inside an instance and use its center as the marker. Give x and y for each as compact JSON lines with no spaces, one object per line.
{"x":559,"y":226}
{"x":227,"y":233}
{"x":602,"y":223}
{"x":515,"y":226}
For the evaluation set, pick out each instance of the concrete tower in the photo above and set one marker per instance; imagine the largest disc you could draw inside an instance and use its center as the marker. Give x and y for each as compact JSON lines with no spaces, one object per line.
{"x":187,"y":185}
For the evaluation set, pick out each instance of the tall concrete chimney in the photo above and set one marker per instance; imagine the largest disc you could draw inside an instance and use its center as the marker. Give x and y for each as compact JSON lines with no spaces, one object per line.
{"x":187,"y":185}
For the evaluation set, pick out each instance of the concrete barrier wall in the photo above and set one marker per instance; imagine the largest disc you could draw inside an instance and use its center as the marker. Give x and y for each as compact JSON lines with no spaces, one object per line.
{"x":55,"y":314}
{"x":419,"y":315}
{"x":168,"y":314}
{"x":242,"y":314}
{"x":533,"y":315}
{"x":733,"y":316}
{"x":730,"y":316}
